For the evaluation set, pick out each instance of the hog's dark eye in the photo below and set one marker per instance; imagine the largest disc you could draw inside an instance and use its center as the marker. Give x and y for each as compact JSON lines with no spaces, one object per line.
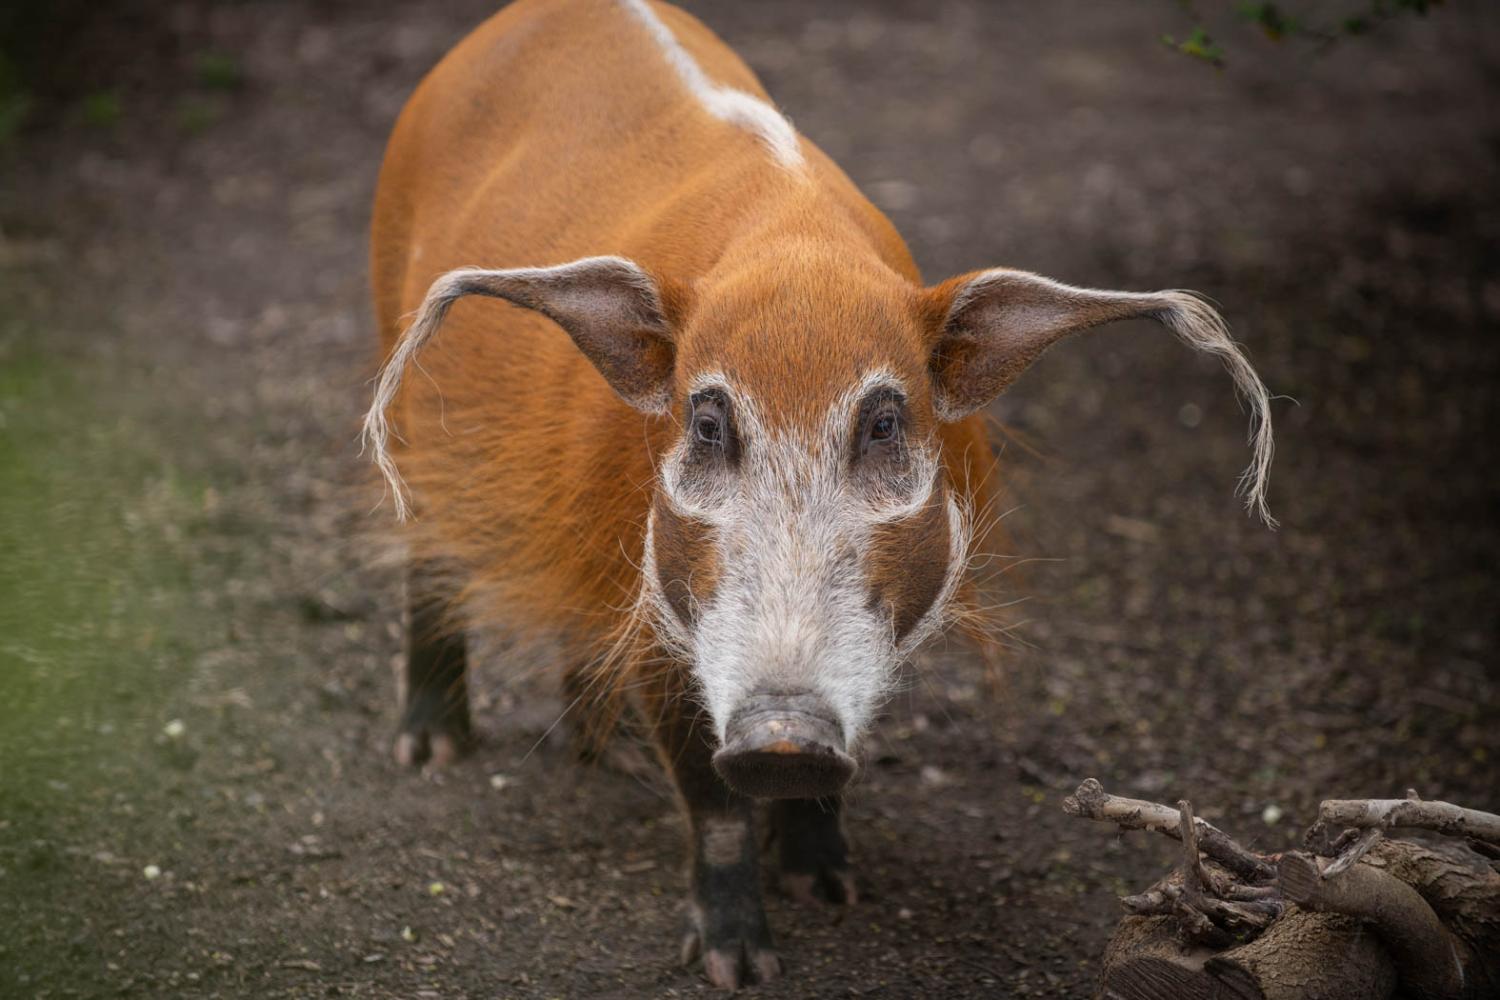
{"x":881,"y":414}
{"x":709,"y":428}
{"x":708,"y":425}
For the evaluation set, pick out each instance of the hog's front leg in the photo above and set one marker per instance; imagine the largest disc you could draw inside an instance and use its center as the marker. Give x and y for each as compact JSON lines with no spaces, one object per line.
{"x":812,"y":851}
{"x":727,"y":918}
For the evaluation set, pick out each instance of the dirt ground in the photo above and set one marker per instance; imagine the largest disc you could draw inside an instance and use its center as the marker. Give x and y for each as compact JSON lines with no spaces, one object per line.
{"x":196,"y":704}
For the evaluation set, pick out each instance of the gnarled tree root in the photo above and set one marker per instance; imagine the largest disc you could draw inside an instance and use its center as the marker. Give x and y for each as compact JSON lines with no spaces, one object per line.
{"x":1432,"y":961}
{"x":1376,"y":916}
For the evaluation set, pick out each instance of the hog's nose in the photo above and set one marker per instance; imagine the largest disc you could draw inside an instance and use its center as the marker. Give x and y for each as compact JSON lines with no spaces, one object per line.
{"x":784,"y":746}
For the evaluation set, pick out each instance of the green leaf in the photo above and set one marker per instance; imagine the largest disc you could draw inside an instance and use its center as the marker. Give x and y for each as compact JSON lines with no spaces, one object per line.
{"x":1198,"y":45}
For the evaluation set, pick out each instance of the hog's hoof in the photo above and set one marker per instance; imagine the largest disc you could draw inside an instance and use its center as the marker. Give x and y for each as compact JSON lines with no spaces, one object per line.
{"x":432,"y":740}
{"x":826,"y":885}
{"x":732,"y":957}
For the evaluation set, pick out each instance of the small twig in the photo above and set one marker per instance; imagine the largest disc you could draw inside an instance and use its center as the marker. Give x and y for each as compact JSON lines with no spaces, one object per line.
{"x":1251,"y":893}
{"x":1352,"y":853}
{"x":1151,"y":903}
{"x":1159,"y":900}
{"x":1335,"y":847}
{"x":1196,"y":925}
{"x":1207,"y":881}
{"x":1256,"y":915}
{"x":1441,"y":817}
{"x":1187,"y":832}
{"x":1204,"y":918}
{"x":1491,"y":851}
{"x":1091,"y":801}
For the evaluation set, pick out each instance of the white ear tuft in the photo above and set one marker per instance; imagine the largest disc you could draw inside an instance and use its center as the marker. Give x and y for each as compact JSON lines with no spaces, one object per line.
{"x":377,"y":427}
{"x":1199,"y":324}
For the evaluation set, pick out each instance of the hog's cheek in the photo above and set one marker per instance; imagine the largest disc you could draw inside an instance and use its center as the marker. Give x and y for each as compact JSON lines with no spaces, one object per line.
{"x":686,"y":563}
{"x":908,"y":565}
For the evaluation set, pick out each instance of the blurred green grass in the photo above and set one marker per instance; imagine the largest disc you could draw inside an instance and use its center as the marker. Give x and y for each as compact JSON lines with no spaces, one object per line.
{"x":99,"y":628}
{"x":96,"y":611}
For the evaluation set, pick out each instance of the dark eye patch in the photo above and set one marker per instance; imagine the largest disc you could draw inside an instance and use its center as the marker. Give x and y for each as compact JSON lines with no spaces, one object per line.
{"x":710,"y":426}
{"x":880,"y":425}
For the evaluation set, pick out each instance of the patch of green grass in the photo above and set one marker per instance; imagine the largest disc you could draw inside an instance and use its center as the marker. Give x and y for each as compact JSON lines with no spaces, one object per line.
{"x":95,"y":599}
{"x":110,"y":493}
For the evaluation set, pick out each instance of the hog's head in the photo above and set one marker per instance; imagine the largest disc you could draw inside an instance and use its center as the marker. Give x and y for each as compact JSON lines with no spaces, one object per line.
{"x":803,"y":537}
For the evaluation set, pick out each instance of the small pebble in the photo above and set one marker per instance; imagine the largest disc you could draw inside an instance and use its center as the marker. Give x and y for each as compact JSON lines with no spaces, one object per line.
{"x":151,"y":871}
{"x":1271,"y":814}
{"x":174,"y":729}
{"x":934,"y":776}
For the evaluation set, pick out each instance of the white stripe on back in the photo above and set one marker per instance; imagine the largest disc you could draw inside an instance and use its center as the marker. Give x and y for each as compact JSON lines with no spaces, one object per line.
{"x":725,"y":103}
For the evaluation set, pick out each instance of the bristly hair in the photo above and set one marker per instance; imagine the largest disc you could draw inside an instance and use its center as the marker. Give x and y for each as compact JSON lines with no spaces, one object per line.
{"x":1199,"y":324}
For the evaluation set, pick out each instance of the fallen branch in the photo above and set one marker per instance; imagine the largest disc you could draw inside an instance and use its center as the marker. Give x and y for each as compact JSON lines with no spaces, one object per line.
{"x":1383,"y":814}
{"x":1091,"y":801}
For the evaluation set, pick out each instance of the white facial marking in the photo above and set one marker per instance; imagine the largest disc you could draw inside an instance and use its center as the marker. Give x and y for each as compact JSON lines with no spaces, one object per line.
{"x":791,"y":609}
{"x":725,"y":103}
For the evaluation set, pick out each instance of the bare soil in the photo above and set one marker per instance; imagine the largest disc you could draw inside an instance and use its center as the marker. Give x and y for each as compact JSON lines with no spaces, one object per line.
{"x":196,"y":704}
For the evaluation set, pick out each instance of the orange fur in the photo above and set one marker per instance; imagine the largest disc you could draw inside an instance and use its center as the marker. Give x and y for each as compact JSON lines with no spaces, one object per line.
{"x":557,"y":131}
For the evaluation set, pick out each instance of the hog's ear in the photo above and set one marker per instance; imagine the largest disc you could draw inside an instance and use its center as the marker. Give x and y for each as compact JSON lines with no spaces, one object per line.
{"x":987,"y":327}
{"x":620,"y":317}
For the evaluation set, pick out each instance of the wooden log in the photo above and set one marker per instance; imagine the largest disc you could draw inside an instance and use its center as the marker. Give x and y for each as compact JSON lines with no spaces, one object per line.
{"x":1306,"y":956}
{"x":1145,"y":960}
{"x":1303,"y":956}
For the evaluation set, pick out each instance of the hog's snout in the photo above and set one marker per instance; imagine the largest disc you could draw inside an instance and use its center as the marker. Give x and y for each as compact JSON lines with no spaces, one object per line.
{"x":784,"y":746}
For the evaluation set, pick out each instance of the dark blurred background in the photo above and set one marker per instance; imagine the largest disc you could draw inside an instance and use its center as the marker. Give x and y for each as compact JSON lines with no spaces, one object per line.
{"x":195,"y":698}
